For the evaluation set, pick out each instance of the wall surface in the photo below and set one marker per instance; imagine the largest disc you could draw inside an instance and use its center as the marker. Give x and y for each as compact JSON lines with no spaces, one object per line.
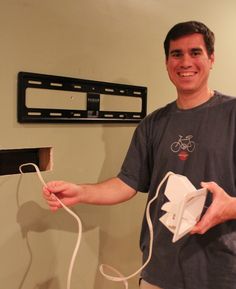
{"x":104,"y":40}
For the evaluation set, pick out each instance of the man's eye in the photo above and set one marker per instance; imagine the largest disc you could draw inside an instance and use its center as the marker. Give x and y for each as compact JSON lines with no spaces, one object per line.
{"x":196,"y":53}
{"x":176,"y":54}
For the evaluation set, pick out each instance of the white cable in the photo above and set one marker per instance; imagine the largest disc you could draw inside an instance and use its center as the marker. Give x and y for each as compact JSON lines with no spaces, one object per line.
{"x":150,"y":226}
{"x":70,"y":212}
{"x":121,"y":278}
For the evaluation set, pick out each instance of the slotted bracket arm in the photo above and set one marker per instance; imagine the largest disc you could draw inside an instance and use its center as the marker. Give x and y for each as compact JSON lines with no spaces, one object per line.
{"x":49,"y":98}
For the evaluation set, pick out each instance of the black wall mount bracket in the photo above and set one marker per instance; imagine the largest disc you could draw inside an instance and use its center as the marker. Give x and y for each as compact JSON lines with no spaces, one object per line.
{"x":49,"y":98}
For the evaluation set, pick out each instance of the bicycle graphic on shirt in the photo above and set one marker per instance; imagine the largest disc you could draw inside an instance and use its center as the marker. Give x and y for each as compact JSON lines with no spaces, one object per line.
{"x":183,"y":144}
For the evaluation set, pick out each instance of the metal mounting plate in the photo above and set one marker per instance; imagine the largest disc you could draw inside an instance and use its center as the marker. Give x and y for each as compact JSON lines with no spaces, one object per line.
{"x":49,"y":98}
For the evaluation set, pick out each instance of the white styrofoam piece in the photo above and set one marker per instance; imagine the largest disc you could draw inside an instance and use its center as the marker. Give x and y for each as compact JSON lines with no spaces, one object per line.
{"x":185,"y":206}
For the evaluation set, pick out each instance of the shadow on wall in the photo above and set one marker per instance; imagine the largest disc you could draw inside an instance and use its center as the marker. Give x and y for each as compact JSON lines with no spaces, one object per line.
{"x":33,"y":218}
{"x":46,"y":284}
{"x":115,"y":239}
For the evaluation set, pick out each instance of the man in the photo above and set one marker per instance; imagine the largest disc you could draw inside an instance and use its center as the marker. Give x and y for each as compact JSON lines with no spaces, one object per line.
{"x":204,"y":259}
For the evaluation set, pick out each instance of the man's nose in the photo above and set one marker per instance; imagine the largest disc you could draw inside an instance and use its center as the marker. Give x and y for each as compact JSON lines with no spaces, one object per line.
{"x":186,"y":61}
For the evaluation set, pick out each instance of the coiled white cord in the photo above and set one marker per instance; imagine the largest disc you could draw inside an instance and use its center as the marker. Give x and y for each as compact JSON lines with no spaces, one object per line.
{"x":71,"y":213}
{"x":121,"y":278}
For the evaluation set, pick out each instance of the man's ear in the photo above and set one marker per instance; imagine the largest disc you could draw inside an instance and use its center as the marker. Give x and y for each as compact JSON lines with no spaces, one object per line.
{"x":166,"y":60}
{"x":212,"y":59}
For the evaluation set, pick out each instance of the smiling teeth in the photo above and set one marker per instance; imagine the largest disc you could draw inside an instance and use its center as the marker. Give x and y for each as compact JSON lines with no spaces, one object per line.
{"x":186,"y":74}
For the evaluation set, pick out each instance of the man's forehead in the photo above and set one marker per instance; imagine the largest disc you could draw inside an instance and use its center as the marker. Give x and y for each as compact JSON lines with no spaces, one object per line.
{"x":193,"y":41}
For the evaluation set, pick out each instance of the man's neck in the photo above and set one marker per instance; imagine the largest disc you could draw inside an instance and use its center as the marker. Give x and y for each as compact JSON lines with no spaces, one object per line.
{"x":188,"y":101}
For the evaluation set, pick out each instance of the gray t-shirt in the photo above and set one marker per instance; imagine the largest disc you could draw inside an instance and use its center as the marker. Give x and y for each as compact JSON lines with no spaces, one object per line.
{"x":198,"y":143}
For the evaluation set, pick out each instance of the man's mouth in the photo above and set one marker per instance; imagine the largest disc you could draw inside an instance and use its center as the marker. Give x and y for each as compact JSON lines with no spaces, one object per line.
{"x":186,"y":74}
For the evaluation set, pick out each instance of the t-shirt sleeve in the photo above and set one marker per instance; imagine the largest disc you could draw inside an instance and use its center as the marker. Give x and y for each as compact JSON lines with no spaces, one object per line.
{"x":135,"y":170}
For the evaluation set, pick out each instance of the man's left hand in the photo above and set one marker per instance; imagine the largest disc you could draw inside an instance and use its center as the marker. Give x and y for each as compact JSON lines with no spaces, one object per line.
{"x":222,"y":208}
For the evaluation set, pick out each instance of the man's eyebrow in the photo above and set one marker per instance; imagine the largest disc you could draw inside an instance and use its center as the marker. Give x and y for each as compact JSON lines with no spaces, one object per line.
{"x":196,"y":49}
{"x":175,"y":51}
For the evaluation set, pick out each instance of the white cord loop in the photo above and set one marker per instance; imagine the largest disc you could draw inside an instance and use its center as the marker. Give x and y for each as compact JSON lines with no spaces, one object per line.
{"x":120,"y":277}
{"x":70,"y":212}
{"x":150,"y":226}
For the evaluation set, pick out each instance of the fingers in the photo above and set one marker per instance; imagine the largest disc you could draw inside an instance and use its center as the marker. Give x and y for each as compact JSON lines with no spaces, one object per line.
{"x":55,"y":186}
{"x":221,"y":209}
{"x":58,"y":192}
{"x":49,"y":192}
{"x":204,"y":224}
{"x":212,"y":187}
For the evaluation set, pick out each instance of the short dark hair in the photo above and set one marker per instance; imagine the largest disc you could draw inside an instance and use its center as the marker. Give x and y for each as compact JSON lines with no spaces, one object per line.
{"x":188,"y":28}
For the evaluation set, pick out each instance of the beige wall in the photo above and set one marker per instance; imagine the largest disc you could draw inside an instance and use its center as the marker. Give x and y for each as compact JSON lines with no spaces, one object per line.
{"x":105,"y":40}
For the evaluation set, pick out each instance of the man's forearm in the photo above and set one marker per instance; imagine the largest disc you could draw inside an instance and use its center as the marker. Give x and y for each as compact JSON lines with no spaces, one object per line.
{"x":109,"y":192}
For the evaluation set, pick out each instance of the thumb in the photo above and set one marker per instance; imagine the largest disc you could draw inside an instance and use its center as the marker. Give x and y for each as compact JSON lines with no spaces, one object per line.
{"x":213,"y":188}
{"x":54,"y":187}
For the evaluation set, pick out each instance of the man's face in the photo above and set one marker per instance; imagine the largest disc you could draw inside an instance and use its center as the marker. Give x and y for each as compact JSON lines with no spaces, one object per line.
{"x":188,"y":64}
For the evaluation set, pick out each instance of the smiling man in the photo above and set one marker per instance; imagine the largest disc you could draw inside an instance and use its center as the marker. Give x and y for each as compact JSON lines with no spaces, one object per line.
{"x":188,"y":64}
{"x":193,"y":136}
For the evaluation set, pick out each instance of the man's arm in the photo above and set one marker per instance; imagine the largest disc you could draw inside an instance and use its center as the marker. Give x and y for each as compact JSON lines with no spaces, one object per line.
{"x":109,"y":192}
{"x":222,"y":209}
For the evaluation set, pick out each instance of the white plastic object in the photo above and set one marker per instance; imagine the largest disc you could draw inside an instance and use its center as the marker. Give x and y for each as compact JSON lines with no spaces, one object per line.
{"x":185,"y":205}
